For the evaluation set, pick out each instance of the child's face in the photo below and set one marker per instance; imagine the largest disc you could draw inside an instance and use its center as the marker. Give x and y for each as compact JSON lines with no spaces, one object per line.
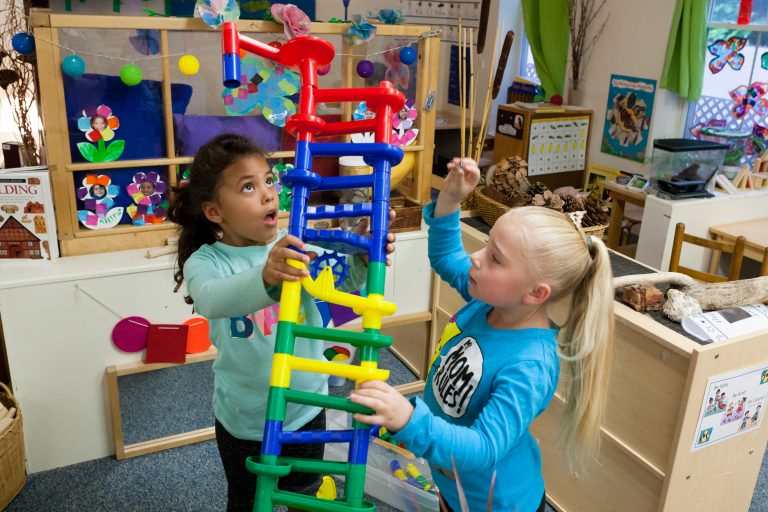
{"x":98,"y":123}
{"x":147,"y":188}
{"x":499,"y":274}
{"x":246,"y":203}
{"x":99,"y":190}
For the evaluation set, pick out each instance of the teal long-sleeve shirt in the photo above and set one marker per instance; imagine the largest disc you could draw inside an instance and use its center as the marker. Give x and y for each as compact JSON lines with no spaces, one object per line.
{"x":227,"y":286}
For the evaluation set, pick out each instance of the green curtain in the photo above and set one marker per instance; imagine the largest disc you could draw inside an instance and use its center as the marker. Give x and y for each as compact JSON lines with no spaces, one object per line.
{"x":684,"y":64}
{"x":547,"y":30}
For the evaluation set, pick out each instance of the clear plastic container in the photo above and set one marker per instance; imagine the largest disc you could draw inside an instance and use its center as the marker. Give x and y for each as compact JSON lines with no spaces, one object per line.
{"x":687,"y":161}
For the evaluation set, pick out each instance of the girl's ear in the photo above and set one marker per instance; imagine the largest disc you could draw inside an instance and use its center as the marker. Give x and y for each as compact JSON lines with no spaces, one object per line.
{"x":538,"y":295}
{"x":212,"y":212}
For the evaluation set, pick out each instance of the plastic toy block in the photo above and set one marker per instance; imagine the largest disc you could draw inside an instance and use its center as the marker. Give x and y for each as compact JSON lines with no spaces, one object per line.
{"x":306,"y":54}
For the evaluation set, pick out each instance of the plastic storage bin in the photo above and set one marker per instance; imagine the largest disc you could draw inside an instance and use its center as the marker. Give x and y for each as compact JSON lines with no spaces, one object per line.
{"x":687,"y":160}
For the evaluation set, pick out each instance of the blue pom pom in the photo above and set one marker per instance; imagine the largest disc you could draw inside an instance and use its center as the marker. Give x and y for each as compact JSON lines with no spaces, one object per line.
{"x":73,"y":66}
{"x":23,"y":43}
{"x":408,"y":55}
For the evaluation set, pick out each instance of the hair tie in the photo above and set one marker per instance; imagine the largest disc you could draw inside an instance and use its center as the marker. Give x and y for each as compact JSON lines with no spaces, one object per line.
{"x":589,"y":243}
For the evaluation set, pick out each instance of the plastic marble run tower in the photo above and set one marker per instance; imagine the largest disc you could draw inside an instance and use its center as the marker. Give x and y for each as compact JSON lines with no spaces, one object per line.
{"x":306,"y":54}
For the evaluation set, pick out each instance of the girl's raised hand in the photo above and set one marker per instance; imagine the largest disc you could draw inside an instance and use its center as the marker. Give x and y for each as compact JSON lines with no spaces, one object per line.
{"x":392,"y":410}
{"x":463,"y":176}
{"x":276,"y":269}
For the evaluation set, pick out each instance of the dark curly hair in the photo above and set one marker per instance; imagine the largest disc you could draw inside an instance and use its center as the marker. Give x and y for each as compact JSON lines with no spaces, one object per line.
{"x":186,"y":208}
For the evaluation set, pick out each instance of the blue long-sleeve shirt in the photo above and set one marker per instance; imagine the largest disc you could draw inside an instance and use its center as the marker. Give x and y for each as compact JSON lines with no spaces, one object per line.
{"x":484,"y":388}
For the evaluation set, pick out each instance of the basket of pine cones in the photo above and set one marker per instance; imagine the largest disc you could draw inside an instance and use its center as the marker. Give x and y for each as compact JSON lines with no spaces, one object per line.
{"x":507,"y":186}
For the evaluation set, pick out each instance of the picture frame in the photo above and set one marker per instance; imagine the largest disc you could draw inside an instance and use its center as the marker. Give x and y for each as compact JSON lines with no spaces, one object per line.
{"x":595,"y":177}
{"x":639,"y":182}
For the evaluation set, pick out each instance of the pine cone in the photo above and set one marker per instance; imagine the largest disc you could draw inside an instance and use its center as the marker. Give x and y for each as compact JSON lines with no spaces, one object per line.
{"x":572,"y":204}
{"x":537,"y":188}
{"x":596,"y":214}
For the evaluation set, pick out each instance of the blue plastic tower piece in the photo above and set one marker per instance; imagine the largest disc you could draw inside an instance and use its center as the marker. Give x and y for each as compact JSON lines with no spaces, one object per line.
{"x":342,"y":210}
{"x":358,"y":447}
{"x":337,"y":262}
{"x":230,"y":64}
{"x":349,"y":242}
{"x":316,"y":436}
{"x":374,"y":150}
{"x":272,"y":442}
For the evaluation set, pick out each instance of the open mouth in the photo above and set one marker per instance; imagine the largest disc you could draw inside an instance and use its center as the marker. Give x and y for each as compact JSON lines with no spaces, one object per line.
{"x":271,"y":217}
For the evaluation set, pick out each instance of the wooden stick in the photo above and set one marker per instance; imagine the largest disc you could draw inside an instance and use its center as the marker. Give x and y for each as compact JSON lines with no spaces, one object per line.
{"x":402,"y":451}
{"x":471,"y":88}
{"x":487,"y":104}
{"x":462,"y":63}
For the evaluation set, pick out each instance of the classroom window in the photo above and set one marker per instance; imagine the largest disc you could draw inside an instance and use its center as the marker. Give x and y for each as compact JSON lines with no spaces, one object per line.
{"x":733,"y":107}
{"x":527,"y":67}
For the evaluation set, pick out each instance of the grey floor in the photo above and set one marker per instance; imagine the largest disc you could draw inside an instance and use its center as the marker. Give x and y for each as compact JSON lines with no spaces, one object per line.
{"x":188,"y":478}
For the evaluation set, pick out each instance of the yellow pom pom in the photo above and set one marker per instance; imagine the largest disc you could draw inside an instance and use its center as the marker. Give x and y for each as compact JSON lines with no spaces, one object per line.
{"x":189,"y":65}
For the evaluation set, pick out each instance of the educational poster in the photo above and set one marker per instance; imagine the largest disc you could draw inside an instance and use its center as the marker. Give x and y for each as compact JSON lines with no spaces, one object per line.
{"x":628,"y":117}
{"x":510,"y":123}
{"x":734,"y":403}
{"x":557,"y":145}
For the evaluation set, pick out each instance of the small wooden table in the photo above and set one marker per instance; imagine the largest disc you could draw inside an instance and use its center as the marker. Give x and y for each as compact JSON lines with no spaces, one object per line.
{"x":621,"y":195}
{"x":755,"y":231}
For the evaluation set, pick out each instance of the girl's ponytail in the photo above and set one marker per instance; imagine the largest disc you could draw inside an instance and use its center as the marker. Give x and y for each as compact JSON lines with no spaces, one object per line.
{"x":586,"y":350}
{"x":195,"y":230}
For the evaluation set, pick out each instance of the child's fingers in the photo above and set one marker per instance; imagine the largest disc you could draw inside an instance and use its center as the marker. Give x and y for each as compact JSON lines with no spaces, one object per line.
{"x":374,"y":385}
{"x":375,"y":419}
{"x":290,"y":240}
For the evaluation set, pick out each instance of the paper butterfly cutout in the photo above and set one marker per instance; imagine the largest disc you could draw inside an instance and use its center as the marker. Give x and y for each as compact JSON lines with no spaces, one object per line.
{"x":295,"y":22}
{"x":764,"y":61}
{"x":360,"y":32}
{"x":758,"y":143}
{"x":397,"y":72}
{"x":99,"y":126}
{"x":147,"y":192}
{"x":264,"y":86}
{"x":714,"y":123}
{"x":97,"y":195}
{"x":746,"y":98}
{"x":215,"y":12}
{"x":146,"y":42}
{"x":727,"y":53}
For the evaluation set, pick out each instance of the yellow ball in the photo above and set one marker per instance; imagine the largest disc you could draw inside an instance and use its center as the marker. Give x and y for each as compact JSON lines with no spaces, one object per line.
{"x":189,"y":65}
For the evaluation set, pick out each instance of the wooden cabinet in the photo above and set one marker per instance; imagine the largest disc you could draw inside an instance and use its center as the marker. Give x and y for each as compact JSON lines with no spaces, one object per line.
{"x":658,"y":382}
{"x":555,"y":143}
{"x":57,"y":322}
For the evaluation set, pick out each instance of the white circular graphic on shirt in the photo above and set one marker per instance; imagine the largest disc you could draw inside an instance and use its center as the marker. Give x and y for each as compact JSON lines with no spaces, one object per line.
{"x":456,"y":377}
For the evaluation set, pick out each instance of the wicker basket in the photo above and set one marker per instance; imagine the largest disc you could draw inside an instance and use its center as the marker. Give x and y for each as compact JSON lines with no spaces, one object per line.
{"x":12,"y":475}
{"x":491,"y":210}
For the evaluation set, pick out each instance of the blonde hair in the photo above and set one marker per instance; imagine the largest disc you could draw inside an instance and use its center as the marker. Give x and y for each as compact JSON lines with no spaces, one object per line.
{"x":572,"y":263}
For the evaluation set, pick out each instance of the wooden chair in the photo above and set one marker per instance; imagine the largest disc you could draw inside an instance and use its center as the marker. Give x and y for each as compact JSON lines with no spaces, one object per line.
{"x":735,"y":249}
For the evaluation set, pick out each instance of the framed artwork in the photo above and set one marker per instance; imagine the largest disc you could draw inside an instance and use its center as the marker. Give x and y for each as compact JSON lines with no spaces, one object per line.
{"x":595,"y":177}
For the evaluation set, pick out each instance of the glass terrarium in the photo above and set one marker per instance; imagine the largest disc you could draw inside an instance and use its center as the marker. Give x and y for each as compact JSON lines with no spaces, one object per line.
{"x":686,"y":165}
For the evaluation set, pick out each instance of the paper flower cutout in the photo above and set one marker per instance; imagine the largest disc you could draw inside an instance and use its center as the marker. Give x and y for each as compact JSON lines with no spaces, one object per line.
{"x":215,"y":12}
{"x":147,"y":192}
{"x":746,"y":98}
{"x":295,"y":22}
{"x":397,"y":72}
{"x":362,"y":112}
{"x":99,"y":126}
{"x":403,"y":133}
{"x":146,"y":41}
{"x":283,"y":191}
{"x":726,"y":52}
{"x":360,"y":32}
{"x":97,"y":195}
{"x":391,"y":16}
{"x":265,"y":86}
{"x":98,"y":123}
{"x":403,"y":119}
